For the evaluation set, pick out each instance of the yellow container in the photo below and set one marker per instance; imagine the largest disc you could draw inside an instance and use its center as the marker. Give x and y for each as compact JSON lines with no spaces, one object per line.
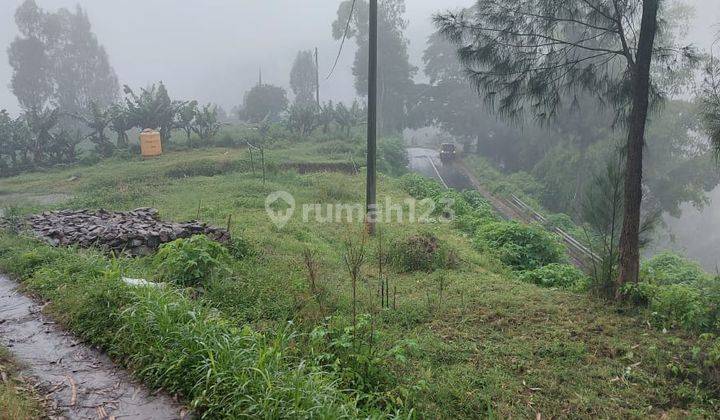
{"x":150,"y":143}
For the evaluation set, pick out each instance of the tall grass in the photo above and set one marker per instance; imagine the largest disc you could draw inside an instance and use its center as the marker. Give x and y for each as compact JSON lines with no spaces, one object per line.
{"x":176,"y":343}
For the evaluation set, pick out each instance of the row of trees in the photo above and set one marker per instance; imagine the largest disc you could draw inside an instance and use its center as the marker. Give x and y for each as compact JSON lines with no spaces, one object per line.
{"x":39,"y":138}
{"x":305,"y":119}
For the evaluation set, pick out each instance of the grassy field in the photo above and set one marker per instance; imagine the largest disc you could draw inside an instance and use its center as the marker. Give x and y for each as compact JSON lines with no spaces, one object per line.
{"x":17,"y":399}
{"x":265,"y":337}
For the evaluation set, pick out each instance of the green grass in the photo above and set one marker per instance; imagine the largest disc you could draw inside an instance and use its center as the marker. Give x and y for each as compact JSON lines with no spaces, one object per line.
{"x":483,"y":342}
{"x":18,"y":400}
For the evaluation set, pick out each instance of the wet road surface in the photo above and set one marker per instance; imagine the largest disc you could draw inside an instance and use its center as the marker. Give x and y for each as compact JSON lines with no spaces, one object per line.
{"x":427,"y":162}
{"x":81,"y":382}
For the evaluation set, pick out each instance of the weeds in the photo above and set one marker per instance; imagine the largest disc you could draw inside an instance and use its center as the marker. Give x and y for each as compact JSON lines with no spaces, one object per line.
{"x":354,"y":259}
{"x":190,"y":262}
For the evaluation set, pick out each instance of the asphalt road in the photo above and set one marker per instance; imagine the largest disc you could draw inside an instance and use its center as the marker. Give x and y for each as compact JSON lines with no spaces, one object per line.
{"x":455,"y":175}
{"x":427,"y":162}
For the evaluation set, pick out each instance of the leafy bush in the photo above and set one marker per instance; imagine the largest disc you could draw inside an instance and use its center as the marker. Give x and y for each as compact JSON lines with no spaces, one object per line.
{"x":555,"y":275}
{"x":423,"y":252}
{"x":522,"y":247}
{"x":188,"y":262}
{"x":362,"y":366}
{"x":420,"y":187}
{"x":392,"y":156}
{"x":679,"y":305}
{"x":669,"y":268}
{"x":481,"y":207}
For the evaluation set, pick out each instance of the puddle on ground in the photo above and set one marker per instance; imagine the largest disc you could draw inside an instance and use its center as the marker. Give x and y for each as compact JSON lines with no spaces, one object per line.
{"x":83,"y":383}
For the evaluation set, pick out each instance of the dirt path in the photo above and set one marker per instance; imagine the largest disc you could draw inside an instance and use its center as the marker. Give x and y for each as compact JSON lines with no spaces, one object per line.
{"x":83,"y":383}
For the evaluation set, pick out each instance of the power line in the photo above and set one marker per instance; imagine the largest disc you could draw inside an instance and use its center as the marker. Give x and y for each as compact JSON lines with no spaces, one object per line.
{"x":342,"y":44}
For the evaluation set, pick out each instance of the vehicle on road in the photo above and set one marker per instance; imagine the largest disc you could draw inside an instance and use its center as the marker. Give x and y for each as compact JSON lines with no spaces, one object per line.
{"x":448,"y":152}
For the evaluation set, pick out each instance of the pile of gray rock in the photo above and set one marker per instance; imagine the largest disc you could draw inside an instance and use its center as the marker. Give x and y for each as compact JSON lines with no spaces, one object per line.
{"x":135,"y":233}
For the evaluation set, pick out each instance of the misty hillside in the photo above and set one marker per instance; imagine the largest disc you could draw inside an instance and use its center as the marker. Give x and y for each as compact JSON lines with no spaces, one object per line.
{"x":360,"y":209}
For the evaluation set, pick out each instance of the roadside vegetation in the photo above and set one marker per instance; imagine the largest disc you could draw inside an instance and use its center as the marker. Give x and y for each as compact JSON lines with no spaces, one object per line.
{"x":453,"y":327}
{"x":463,"y":315}
{"x":18,"y":399}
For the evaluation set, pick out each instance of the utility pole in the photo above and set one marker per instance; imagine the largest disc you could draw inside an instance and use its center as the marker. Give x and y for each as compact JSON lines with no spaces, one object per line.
{"x":317,"y":77}
{"x":371,"y":194}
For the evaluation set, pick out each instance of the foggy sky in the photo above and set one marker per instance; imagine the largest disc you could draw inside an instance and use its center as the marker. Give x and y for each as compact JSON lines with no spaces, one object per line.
{"x":212,"y":50}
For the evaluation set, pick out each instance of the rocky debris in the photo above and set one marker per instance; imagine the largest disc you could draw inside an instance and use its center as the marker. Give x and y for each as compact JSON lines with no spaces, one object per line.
{"x":135,"y":233}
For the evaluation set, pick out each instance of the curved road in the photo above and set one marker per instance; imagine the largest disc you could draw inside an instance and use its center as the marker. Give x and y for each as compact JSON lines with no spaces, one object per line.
{"x":455,"y":175}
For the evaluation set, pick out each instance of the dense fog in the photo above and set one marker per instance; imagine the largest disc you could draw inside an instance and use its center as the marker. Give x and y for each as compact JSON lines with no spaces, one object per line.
{"x":213,"y":50}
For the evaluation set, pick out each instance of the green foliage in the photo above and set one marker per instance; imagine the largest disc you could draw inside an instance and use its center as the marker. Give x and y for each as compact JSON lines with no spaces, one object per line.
{"x":353,"y":354}
{"x":11,"y":217}
{"x":420,"y":187}
{"x":679,"y":305}
{"x":264,"y":102}
{"x":303,"y":119}
{"x":668,"y":268}
{"x":707,"y":355}
{"x":710,"y":103}
{"x":303,"y":79}
{"x":190,"y":262}
{"x":206,"y":124}
{"x":205,"y":167}
{"x":392,"y":156}
{"x":519,"y":246}
{"x":57,"y":59}
{"x":556,"y":275}
{"x":240,"y":248}
{"x":179,"y":344}
{"x":423,"y":252}
{"x":396,"y":72}
{"x":224,"y":370}
{"x":152,"y":108}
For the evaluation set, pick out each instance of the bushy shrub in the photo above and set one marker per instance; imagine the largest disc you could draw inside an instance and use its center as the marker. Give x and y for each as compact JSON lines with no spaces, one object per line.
{"x":472,"y":211}
{"x":555,"y":275}
{"x":481,"y":207}
{"x":521,"y":247}
{"x":420,"y":187}
{"x":679,"y":305}
{"x":188,"y":262}
{"x":349,"y":352}
{"x":668,"y":268}
{"x":423,"y":252}
{"x":689,"y":306}
{"x":392,"y":156}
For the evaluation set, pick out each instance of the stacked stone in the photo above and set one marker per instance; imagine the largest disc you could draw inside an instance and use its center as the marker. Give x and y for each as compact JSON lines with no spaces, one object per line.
{"x":135,"y":233}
